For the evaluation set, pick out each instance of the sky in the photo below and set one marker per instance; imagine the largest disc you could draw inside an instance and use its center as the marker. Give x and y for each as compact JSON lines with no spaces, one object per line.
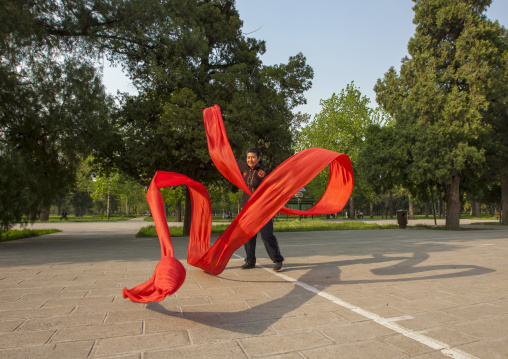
{"x":343,"y":41}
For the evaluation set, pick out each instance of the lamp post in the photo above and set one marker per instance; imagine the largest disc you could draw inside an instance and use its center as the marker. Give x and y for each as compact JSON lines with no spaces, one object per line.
{"x":299,"y":195}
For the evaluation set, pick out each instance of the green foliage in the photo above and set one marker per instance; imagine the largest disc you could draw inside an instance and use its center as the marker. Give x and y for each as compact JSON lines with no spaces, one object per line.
{"x":14,"y":234}
{"x":149,"y":231}
{"x":201,"y":59}
{"x":172,"y":195}
{"x":341,"y":124}
{"x":235,"y":199}
{"x":181,"y":55}
{"x":190,"y":55}
{"x":53,"y":107}
{"x":52,"y":115}
{"x":340,"y":127}
{"x":92,"y":218}
{"x":117,"y":186}
{"x":441,"y":98}
{"x":287,"y":226}
{"x":382,"y":159}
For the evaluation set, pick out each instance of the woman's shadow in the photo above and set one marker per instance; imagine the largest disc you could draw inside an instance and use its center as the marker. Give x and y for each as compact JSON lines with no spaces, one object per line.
{"x":265,"y":314}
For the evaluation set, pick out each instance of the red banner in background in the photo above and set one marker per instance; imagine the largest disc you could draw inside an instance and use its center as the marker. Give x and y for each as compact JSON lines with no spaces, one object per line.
{"x":269,"y":198}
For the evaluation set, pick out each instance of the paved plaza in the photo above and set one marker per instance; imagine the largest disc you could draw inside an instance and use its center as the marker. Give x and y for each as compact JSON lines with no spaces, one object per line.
{"x":399,"y":293}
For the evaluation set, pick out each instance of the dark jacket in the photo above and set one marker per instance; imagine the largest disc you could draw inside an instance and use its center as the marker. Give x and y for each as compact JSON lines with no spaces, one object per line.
{"x":252,"y":177}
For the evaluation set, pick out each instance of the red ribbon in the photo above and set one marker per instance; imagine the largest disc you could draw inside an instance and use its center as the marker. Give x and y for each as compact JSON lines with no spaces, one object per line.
{"x":268,"y":199}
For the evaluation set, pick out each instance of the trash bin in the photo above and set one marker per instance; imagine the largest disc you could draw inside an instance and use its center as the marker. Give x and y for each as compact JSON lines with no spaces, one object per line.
{"x":402,"y":218}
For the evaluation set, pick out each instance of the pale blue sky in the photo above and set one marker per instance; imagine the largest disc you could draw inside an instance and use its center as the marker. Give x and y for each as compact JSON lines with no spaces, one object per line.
{"x":342,"y":40}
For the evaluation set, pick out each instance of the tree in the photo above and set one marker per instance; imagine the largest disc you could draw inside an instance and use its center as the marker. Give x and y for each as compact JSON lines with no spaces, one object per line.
{"x":54,"y":110}
{"x":182,"y":55}
{"x":235,"y":198}
{"x":497,"y":117}
{"x":340,"y":127}
{"x":55,"y":114}
{"x":382,"y":158}
{"x":192,"y":56}
{"x":440,"y":98}
{"x":174,"y":196}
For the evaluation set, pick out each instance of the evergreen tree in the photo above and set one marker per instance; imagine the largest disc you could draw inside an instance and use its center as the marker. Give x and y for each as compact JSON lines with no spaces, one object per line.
{"x":441,"y":96}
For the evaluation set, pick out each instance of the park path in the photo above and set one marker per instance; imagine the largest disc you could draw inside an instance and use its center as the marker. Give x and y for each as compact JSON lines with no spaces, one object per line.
{"x":342,"y":294}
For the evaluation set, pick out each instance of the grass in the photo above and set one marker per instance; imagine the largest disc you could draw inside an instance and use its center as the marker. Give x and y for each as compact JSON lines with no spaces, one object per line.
{"x":462,"y":216}
{"x":287,"y":226}
{"x":90,"y":218}
{"x":484,"y":216}
{"x":173,"y":219}
{"x":283,"y":217}
{"x":15,"y":234}
{"x":490,"y":223}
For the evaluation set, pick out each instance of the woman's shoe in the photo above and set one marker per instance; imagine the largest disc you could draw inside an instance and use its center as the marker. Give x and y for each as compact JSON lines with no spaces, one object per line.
{"x":277,"y":266}
{"x":248,"y":266}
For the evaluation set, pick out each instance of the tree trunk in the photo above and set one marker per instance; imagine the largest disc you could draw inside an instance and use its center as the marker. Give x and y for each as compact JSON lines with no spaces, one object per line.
{"x":371,"y":210}
{"x":352,"y":207}
{"x":187,"y":214}
{"x":426,"y":210}
{"x":178,"y":211}
{"x":411,"y":208}
{"x":390,"y":205}
{"x":107,"y":206}
{"x":477,"y":210}
{"x":77,"y":211}
{"x":433,"y":205}
{"x":504,"y":199}
{"x":453,"y":203}
{"x":44,"y":215}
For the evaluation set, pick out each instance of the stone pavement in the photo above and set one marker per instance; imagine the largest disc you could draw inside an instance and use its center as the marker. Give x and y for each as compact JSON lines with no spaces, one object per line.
{"x":347,"y":294}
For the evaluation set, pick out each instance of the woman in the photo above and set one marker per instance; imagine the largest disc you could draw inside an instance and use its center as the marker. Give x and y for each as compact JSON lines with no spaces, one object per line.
{"x":254,"y":172}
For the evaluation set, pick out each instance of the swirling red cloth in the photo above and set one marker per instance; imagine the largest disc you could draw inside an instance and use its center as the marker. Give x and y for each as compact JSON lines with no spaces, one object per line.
{"x":268,"y":199}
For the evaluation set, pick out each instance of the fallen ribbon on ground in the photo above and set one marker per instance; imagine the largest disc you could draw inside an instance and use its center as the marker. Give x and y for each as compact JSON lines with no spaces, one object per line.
{"x":268,"y":199}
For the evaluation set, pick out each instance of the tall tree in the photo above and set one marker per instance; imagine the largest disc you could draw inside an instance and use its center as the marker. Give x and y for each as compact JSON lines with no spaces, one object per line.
{"x":440,"y":97}
{"x":340,"y":126}
{"x":54,"y":110}
{"x":497,"y":116}
{"x":58,"y":114}
{"x":193,"y":57}
{"x":182,"y":55}
{"x":382,"y":159}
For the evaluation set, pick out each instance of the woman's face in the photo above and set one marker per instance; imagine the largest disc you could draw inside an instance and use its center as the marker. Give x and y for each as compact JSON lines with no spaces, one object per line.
{"x":252,"y":159}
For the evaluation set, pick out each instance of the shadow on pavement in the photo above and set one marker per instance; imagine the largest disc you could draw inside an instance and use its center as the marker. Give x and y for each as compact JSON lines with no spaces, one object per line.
{"x":262,"y":316}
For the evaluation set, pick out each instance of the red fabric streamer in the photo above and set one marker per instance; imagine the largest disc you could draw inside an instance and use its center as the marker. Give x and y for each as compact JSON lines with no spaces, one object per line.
{"x":268,"y":199}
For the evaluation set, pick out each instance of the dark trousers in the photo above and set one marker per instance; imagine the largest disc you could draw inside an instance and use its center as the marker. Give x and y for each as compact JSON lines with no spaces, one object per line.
{"x":270,"y":242}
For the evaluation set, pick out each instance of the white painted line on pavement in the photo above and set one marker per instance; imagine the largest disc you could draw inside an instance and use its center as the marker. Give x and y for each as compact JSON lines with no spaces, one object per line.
{"x":444,"y":348}
{"x":398,"y":319}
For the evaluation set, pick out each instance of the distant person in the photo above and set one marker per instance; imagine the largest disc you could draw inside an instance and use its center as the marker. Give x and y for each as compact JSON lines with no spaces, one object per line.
{"x":64,"y":215}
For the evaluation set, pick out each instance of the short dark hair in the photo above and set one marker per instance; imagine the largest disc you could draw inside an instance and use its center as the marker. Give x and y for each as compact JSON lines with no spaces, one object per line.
{"x":255,"y":150}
